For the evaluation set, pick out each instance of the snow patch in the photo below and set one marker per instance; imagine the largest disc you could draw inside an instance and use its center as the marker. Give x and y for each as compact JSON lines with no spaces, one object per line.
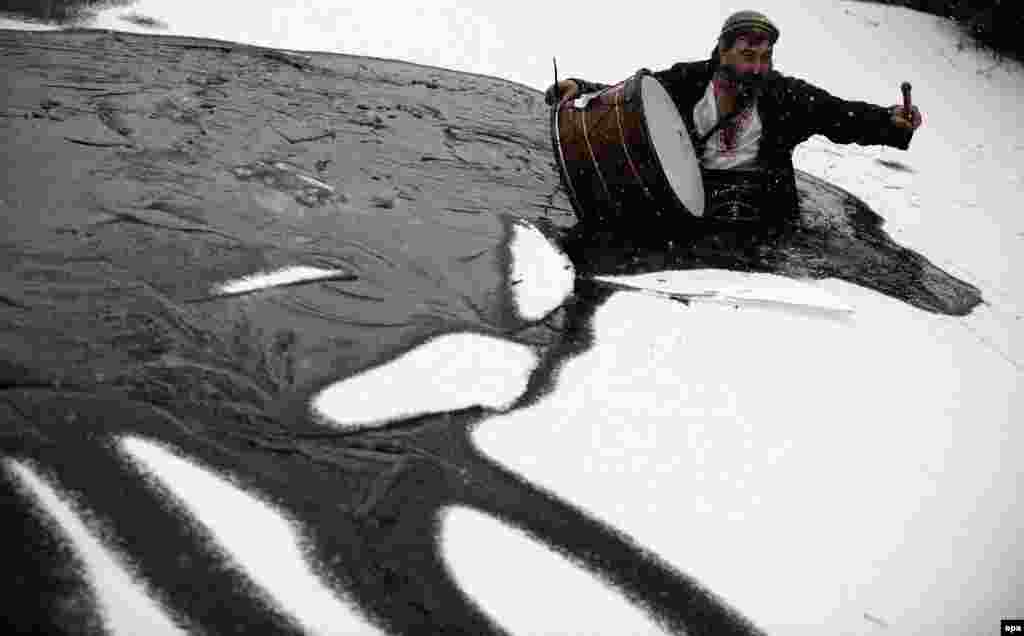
{"x":560,"y":597}
{"x":20,"y":25}
{"x":843,"y":451}
{"x":450,"y":372}
{"x":726,"y":286}
{"x":126,"y":607}
{"x":276,"y":278}
{"x":542,"y":275}
{"x":259,"y":539}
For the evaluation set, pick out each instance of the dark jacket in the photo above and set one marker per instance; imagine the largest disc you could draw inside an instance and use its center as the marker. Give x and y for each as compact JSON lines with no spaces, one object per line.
{"x":791,"y":111}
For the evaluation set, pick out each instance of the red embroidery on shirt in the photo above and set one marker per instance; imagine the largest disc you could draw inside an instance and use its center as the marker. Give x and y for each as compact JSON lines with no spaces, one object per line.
{"x":730,"y":133}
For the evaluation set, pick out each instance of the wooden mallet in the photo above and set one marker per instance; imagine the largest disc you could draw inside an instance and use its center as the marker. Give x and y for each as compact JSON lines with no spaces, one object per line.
{"x":907,"y":105}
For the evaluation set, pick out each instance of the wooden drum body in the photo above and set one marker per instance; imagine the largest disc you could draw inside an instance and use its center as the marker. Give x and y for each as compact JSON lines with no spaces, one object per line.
{"x":625,"y":155}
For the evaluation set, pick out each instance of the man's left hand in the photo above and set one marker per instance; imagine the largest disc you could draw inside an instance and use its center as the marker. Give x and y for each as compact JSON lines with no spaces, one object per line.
{"x":900,"y":118}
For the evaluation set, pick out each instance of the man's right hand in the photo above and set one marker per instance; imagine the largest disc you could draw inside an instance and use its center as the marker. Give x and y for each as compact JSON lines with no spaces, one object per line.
{"x":565,"y":89}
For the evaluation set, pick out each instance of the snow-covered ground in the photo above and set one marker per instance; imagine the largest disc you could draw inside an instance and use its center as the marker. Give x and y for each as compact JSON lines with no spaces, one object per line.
{"x":817,"y":472}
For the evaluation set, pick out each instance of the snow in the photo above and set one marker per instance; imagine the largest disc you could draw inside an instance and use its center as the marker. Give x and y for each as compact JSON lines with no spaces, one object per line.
{"x":277,"y":278}
{"x":542,"y":276}
{"x":453,"y":371}
{"x":734,"y":288}
{"x":834,"y":466}
{"x":7,"y":23}
{"x":228,"y":514}
{"x":463,"y":530}
{"x":123,"y":602}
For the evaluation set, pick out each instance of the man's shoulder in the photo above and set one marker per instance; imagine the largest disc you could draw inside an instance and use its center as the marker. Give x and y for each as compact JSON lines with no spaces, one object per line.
{"x":694,"y":68}
{"x":684,"y":78}
{"x":788,"y":87}
{"x":796,"y":84}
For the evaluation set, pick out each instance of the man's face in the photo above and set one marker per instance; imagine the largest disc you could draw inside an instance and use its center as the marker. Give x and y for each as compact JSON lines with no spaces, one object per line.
{"x":747,"y":62}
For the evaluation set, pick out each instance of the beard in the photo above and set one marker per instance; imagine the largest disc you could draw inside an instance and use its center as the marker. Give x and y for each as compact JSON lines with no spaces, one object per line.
{"x":748,"y":86}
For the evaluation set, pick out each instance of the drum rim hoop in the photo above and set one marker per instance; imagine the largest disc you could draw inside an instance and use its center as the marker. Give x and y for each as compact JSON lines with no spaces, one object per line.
{"x":556,"y":146}
{"x":654,"y":149}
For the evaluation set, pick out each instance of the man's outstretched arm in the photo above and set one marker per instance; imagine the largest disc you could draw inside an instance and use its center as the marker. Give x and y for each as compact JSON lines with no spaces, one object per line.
{"x":845,"y":121}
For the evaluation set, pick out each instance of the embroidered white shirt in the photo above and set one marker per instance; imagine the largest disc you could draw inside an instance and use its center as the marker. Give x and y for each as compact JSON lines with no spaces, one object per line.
{"x":736,"y":144}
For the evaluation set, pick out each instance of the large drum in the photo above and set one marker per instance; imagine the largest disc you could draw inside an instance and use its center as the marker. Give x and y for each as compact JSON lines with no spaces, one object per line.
{"x":625,"y":155}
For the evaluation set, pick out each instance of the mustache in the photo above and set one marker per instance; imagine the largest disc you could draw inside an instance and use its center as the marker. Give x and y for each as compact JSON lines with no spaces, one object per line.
{"x":746,"y":82}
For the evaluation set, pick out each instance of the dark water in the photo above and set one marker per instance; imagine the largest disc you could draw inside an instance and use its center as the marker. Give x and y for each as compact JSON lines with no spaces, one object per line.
{"x":374,"y":495}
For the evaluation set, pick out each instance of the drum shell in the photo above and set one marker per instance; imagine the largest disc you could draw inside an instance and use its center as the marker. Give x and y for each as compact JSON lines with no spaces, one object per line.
{"x":608,"y":162}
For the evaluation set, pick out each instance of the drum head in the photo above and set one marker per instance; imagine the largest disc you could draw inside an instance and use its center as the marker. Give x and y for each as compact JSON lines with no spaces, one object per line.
{"x":672,"y":145}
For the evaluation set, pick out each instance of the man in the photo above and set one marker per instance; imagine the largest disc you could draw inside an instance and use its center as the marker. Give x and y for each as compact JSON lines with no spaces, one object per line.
{"x":745,"y":120}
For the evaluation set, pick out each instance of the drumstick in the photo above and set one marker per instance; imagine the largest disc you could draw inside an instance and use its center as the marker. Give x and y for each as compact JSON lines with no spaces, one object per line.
{"x":907,"y":106}
{"x":556,"y":69}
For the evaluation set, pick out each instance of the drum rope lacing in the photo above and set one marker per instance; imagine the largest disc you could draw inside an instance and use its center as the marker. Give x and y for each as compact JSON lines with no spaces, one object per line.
{"x":593,"y":158}
{"x":556,"y":136}
{"x":616,"y":104}
{"x":620,"y":100}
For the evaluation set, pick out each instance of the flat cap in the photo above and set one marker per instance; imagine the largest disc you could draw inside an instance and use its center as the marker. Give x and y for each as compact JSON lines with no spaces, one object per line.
{"x":745,"y":21}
